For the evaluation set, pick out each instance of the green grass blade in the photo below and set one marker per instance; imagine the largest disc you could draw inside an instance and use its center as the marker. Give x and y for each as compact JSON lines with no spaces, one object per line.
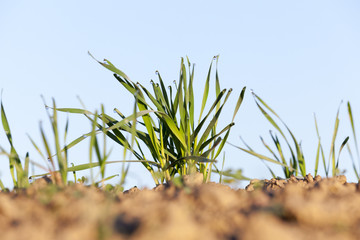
{"x":62,"y":161}
{"x":238,"y":104}
{"x":321,"y":149}
{"x":74,"y":110}
{"x":332,"y":147}
{"x":318,"y":148}
{"x":210,"y":126}
{"x":2,"y":186}
{"x":246,"y":145}
{"x":191,"y":99}
{"x":5,"y":124}
{"x":222,"y":144}
{"x":153,"y":99}
{"x":107,"y":64}
{"x":14,"y":160}
{"x":207,"y":142}
{"x":268,"y":148}
{"x":212,"y":148}
{"x":353,"y":162}
{"x":182,"y":99}
{"x":131,"y":87}
{"x":92,"y":144}
{"x":341,"y":147}
{"x":26,"y":171}
{"x":87,"y":166}
{"x":47,"y":148}
{"x":66,"y":129}
{"x":170,"y":123}
{"x":355,"y":139}
{"x":163,"y":90}
{"x":206,"y":92}
{"x":200,"y":125}
{"x":276,"y":141}
{"x":222,"y":169}
{"x":217,"y":81}
{"x":317,"y":159}
{"x":268,"y":117}
{"x":353,"y":129}
{"x":260,"y":156}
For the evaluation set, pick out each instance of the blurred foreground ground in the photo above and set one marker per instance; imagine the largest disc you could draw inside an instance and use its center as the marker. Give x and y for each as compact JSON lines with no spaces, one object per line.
{"x":272,"y":209}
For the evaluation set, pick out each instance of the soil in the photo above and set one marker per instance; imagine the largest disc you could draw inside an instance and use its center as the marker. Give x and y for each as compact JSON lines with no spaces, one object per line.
{"x":308,"y":208}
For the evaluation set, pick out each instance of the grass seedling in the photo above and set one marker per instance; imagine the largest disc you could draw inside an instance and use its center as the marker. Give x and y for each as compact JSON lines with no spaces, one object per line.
{"x":19,"y":173}
{"x":333,"y":160}
{"x":61,"y":165}
{"x":61,"y":157}
{"x":94,"y":146}
{"x":296,"y":161}
{"x":176,"y":143}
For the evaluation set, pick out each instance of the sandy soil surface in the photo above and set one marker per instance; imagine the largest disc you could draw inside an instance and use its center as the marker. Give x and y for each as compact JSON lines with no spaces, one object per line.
{"x":309,"y":208}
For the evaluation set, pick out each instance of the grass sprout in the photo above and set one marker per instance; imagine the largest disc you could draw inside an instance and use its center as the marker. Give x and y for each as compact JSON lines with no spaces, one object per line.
{"x":333,"y":160}
{"x":19,"y":173}
{"x":60,"y":159}
{"x":296,"y":162}
{"x":58,"y":162}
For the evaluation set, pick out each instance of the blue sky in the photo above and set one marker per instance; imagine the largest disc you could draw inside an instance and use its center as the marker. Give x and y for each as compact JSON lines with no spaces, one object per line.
{"x":301,"y":57}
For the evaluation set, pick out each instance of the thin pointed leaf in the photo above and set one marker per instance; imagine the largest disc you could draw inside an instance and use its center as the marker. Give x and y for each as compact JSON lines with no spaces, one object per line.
{"x":238,"y":104}
{"x":341,"y":147}
{"x":353,"y":128}
{"x":206,"y":91}
{"x":107,"y":64}
{"x":262,"y":156}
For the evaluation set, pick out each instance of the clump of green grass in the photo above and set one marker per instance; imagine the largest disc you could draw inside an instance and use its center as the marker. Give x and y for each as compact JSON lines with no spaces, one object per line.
{"x":58,"y":162}
{"x":295,"y":163}
{"x":178,"y":144}
{"x":61,"y":156}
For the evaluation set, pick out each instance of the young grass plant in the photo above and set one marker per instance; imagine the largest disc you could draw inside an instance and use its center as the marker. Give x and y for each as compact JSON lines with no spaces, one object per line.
{"x":176,"y":143}
{"x":19,"y":173}
{"x":61,"y":152}
{"x":95,"y":147}
{"x":296,"y":163}
{"x":61,"y":157}
{"x":333,"y":160}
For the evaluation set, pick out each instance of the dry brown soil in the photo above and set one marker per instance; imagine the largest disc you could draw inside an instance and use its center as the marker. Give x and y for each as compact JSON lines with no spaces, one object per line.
{"x":309,"y":208}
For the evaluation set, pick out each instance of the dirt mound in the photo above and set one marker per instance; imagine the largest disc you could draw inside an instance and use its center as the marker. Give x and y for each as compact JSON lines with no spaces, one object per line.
{"x":271,"y":209}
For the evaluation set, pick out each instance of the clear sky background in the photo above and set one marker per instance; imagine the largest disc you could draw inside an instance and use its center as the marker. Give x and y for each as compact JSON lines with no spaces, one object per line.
{"x":301,"y":57}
